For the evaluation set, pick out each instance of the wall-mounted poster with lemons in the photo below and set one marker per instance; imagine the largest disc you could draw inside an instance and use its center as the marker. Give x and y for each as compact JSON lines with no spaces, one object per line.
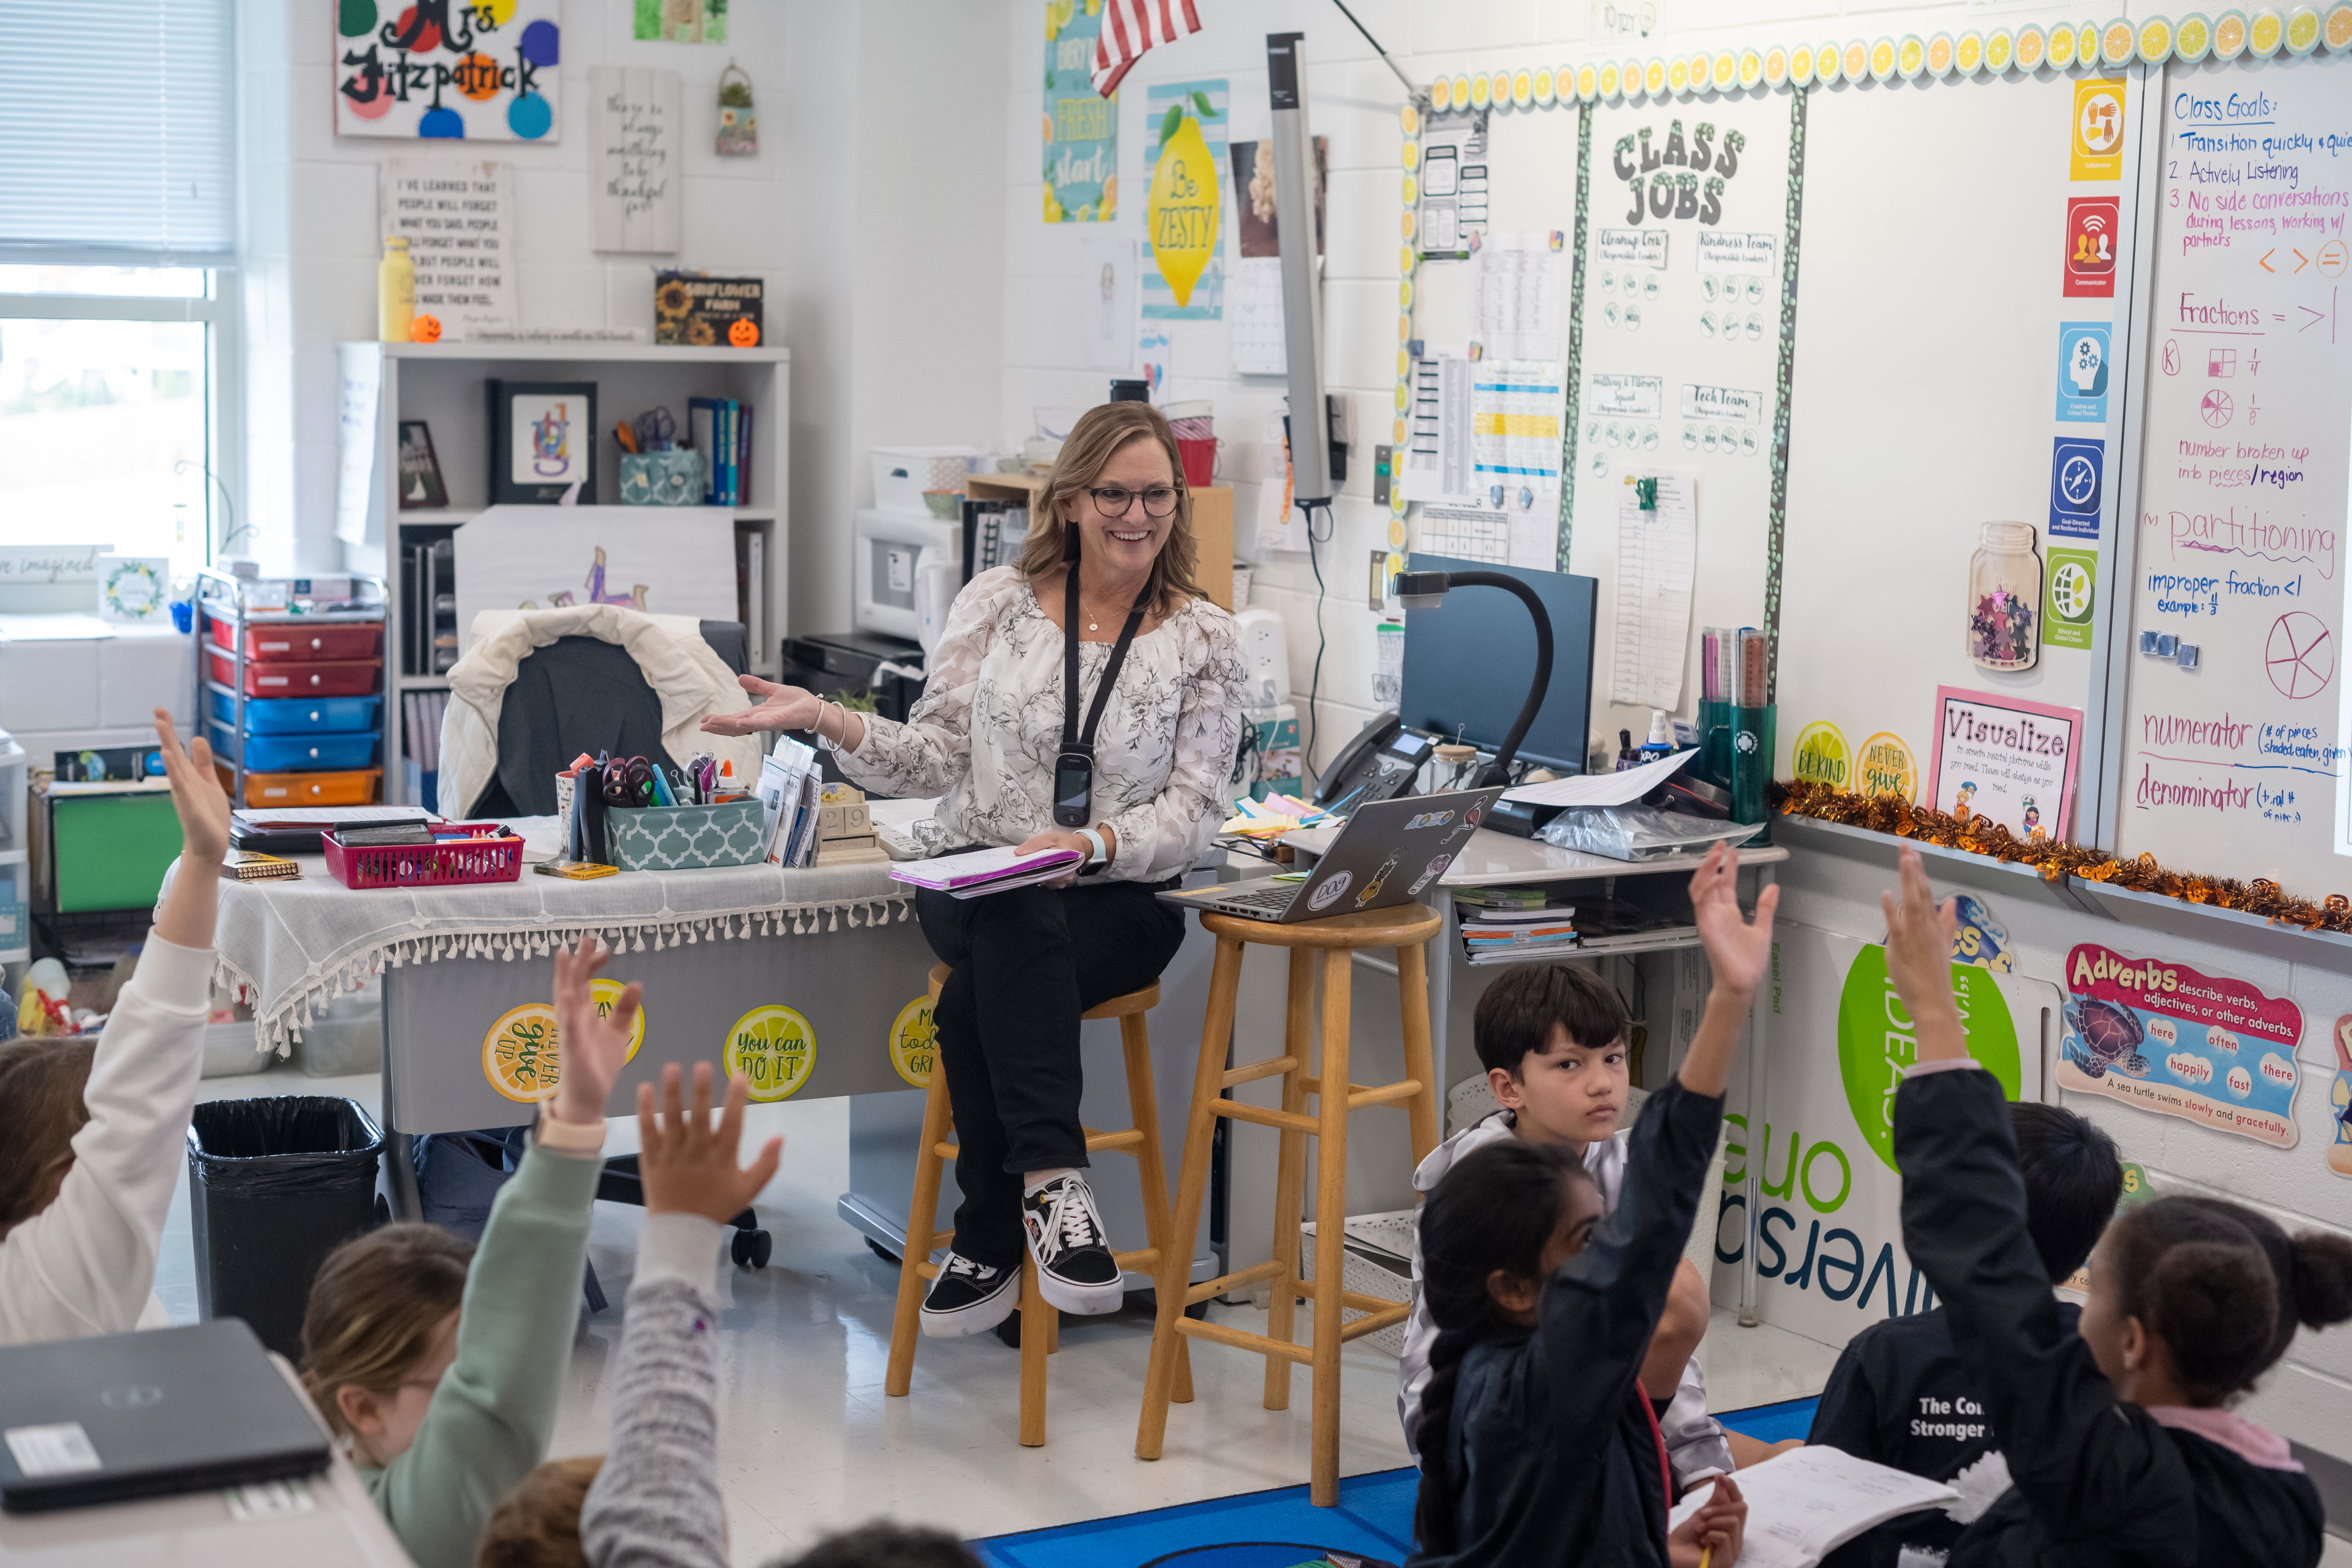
{"x":520,"y":1055}
{"x":915,"y":1042}
{"x":1184,"y":213}
{"x":2066,"y":599}
{"x":774,"y":1049}
{"x":1876,"y":1040}
{"x":1081,"y":124}
{"x":1886,"y":766}
{"x":1821,"y":756}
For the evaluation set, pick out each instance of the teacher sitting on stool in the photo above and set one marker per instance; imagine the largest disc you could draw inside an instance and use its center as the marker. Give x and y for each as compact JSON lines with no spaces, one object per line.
{"x":1087,"y":697}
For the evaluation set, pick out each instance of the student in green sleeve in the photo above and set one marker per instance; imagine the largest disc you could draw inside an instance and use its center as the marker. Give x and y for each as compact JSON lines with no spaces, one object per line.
{"x":443,"y":1382}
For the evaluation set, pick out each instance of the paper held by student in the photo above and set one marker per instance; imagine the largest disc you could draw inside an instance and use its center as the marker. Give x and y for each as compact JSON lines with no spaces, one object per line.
{"x":1807,"y":1502}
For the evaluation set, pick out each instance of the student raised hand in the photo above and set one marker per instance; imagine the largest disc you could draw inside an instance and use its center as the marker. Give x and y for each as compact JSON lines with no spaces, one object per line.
{"x":188,"y":911}
{"x":1739,"y":951}
{"x":688,"y":1160}
{"x":1919,"y":960}
{"x":592,"y":1048}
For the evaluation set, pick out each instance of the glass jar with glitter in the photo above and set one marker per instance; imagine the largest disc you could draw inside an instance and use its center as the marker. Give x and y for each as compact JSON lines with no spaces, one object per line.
{"x":2005,"y":598}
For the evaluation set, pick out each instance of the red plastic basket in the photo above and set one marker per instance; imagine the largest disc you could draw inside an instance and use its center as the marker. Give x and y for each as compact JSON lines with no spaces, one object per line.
{"x":464,"y":855}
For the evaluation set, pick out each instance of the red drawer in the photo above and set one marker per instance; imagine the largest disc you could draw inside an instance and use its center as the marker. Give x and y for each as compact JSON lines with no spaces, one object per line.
{"x":279,"y":640}
{"x":303,"y":677}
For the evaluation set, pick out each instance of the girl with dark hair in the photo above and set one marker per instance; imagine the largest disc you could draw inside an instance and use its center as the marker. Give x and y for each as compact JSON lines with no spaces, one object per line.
{"x":2119,"y":1441}
{"x":1538,"y":1445}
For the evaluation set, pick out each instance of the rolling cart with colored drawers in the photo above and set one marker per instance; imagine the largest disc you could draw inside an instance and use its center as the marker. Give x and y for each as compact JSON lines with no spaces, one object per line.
{"x":292,"y":701}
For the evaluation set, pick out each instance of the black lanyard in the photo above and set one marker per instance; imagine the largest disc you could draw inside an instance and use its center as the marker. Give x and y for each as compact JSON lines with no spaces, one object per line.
{"x":1073,"y":769}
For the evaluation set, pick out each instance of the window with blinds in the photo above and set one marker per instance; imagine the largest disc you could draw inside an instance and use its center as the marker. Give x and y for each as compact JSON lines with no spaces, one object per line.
{"x":119,"y":119}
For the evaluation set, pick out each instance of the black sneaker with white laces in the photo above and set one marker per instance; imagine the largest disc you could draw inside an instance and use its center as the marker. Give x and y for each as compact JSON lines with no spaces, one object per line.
{"x":1074,"y":1269}
{"x":969,"y":1298}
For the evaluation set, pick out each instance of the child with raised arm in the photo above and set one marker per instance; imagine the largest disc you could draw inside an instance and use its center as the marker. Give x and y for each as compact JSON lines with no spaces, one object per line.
{"x":91,"y":1138}
{"x":438,"y":1363}
{"x":1539,"y":1445}
{"x":2119,"y":1441}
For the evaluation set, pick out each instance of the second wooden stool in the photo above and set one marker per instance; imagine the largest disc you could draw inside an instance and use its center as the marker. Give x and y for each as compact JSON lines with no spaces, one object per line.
{"x":1040,"y":1320}
{"x":1336,"y":940}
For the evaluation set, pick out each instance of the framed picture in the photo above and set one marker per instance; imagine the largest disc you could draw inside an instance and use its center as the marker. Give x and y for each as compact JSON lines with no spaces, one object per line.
{"x":420,"y":469}
{"x":135,"y":590}
{"x":542,"y":442}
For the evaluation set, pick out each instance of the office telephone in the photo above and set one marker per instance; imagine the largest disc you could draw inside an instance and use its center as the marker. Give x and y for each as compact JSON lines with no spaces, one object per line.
{"x":1384,"y":762}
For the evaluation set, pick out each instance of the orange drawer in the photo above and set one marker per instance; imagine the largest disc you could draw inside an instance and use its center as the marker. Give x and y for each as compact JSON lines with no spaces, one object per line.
{"x":355,"y":786}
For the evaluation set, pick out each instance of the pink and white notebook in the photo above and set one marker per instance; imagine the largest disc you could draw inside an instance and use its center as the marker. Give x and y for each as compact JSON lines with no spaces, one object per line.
{"x":977,"y":872}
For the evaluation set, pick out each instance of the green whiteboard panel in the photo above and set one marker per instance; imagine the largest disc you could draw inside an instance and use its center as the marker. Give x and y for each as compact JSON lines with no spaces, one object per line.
{"x":111,"y":850}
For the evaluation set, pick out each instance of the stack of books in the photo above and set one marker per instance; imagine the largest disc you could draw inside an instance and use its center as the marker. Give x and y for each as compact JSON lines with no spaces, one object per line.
{"x":1513,"y":925}
{"x":721,"y":429}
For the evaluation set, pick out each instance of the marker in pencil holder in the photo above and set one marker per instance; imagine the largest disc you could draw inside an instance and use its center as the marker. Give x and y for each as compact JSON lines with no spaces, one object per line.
{"x":1751,"y":765}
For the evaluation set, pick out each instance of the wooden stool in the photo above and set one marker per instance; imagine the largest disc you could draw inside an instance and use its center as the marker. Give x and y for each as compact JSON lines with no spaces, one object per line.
{"x":1405,"y":929}
{"x":1040,"y":1320}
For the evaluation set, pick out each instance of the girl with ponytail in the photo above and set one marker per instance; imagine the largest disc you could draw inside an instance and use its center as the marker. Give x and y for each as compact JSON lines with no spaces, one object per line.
{"x":2119,"y":1442}
{"x":1539,"y":1447}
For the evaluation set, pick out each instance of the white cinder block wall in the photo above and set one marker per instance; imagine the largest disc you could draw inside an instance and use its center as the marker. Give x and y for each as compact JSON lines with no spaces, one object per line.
{"x":1354,"y":100}
{"x":310,"y":245}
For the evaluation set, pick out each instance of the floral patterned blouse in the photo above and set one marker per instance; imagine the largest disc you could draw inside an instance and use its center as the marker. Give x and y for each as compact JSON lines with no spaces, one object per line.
{"x":989,"y":727}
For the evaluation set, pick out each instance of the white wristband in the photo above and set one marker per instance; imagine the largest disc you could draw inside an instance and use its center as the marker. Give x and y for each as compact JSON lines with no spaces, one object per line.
{"x":1100,"y":854}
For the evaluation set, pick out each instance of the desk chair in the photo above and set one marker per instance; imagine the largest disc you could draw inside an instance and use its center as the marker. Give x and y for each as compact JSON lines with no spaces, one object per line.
{"x":1331,"y":945}
{"x":1040,"y":1319}
{"x":585,"y":694}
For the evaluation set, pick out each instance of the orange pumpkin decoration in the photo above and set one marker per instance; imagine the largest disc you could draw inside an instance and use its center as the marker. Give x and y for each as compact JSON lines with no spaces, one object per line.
{"x":424,"y":330}
{"x":743,"y":333}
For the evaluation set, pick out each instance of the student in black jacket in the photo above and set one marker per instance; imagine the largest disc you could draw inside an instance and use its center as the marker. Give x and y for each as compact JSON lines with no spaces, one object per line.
{"x":1899,"y":1395}
{"x":1539,"y":1445}
{"x":2118,"y":1441}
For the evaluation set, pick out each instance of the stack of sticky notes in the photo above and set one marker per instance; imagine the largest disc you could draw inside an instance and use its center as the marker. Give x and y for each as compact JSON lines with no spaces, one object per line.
{"x":1275,"y":815}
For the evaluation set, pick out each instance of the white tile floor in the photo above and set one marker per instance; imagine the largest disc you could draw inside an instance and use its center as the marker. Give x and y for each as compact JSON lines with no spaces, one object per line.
{"x":808,"y":1442}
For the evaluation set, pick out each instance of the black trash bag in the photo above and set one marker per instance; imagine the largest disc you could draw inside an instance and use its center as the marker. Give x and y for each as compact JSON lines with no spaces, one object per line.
{"x":274,"y":1186}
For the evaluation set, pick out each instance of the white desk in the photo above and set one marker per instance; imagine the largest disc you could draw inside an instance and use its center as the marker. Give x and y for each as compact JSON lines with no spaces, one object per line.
{"x":1492,"y":859}
{"x":200,"y":1530}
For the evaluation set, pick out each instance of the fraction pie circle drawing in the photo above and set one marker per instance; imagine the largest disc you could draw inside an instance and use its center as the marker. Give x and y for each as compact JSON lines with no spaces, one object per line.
{"x":2216,"y":407}
{"x":2301,"y":657}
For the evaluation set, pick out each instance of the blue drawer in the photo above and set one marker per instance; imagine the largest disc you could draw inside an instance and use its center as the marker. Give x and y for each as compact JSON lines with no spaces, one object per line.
{"x":297,"y":715}
{"x":289,"y":753}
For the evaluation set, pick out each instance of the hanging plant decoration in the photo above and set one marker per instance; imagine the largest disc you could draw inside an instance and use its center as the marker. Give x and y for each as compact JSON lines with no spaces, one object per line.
{"x":739,"y":128}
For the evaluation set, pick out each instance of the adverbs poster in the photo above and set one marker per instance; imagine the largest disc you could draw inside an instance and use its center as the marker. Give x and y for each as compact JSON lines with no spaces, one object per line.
{"x":2005,"y":759}
{"x":1081,"y":124}
{"x":1830,"y":1258}
{"x":2165,"y":1038}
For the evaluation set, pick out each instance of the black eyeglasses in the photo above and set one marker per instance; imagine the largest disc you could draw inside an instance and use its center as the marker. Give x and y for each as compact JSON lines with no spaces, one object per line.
{"x":1112,"y":501}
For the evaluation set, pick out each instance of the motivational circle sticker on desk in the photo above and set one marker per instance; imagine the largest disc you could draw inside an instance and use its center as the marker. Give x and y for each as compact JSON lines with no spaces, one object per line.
{"x":774,"y":1049}
{"x":915,"y":1042}
{"x":521,"y":1056}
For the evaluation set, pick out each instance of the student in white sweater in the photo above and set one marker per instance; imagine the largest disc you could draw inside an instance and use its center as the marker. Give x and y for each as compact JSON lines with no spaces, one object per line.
{"x":90,"y":1140}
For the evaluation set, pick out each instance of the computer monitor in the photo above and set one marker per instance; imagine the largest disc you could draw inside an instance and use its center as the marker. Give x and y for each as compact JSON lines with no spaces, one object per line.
{"x":1468,"y":661}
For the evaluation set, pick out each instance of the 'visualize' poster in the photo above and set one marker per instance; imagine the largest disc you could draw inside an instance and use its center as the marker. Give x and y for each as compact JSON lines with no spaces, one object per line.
{"x":2167,"y":1039}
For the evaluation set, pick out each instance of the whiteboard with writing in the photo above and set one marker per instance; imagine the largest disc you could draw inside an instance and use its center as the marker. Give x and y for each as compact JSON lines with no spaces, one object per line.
{"x":2233,"y":756}
{"x":635,"y":122}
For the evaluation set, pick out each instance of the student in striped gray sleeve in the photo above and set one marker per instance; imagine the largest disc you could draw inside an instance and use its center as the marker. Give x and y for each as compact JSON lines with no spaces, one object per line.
{"x":655,"y":1503}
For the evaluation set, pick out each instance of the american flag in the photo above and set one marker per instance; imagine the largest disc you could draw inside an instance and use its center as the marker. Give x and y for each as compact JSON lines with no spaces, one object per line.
{"x":1131,"y":26}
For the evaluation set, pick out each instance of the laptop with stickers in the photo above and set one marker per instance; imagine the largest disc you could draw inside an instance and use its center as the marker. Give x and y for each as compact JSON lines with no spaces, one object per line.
{"x":1389,"y":851}
{"x":142,"y":1414}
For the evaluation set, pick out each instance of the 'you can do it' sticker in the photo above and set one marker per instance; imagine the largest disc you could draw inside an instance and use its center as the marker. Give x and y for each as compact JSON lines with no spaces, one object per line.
{"x":774,"y":1049}
{"x":520,"y":1055}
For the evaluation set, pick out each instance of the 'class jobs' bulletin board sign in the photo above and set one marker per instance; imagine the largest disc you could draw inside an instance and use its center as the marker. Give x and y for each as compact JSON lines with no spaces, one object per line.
{"x":484,"y":70}
{"x":2007,"y":760}
{"x":2167,"y":1039}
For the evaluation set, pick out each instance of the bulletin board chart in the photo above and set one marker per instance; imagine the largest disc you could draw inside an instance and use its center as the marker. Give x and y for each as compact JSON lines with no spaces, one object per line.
{"x":1936,"y":390}
{"x":2237,"y":705}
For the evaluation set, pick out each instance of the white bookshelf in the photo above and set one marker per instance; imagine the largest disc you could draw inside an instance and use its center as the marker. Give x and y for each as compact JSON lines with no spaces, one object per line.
{"x":445,"y":384}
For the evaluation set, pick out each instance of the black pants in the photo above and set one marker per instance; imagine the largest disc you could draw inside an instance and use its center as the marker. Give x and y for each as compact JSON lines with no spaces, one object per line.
{"x":1022,"y":966}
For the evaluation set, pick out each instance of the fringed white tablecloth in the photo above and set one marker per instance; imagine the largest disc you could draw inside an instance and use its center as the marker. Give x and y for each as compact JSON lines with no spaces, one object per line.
{"x":292,"y":946}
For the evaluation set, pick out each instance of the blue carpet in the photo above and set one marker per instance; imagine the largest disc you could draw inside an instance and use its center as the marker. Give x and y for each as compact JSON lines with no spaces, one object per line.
{"x":1281,"y":1529}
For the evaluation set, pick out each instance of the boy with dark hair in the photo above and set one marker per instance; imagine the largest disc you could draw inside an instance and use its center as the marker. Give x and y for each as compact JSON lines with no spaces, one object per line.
{"x":1899,"y":1394}
{"x":883,"y":1544}
{"x":1552,"y":1040}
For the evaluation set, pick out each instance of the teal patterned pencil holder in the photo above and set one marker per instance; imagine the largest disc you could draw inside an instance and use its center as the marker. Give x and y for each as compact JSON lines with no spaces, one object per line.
{"x":681,"y":837}
{"x":662,"y":479}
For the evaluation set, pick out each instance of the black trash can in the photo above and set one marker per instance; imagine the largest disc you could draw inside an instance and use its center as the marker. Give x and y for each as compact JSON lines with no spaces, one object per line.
{"x":274,"y":1186}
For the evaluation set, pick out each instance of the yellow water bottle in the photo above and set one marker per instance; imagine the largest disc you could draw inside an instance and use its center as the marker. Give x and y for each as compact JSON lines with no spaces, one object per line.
{"x":396,"y":287}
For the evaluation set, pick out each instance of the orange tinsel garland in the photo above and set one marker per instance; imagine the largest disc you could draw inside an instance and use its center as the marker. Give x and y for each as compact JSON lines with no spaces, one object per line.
{"x":1893,"y":814}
